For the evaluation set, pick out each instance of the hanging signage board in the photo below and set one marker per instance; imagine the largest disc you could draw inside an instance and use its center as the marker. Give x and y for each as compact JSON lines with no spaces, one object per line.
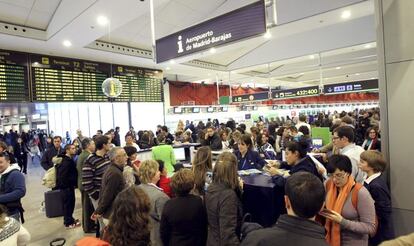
{"x":245,"y":22}
{"x":359,"y":86}
{"x":297,"y":92}
{"x":251,"y":97}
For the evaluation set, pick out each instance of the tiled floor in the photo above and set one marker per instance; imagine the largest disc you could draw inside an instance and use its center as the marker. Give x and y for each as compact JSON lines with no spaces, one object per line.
{"x":41,"y":228}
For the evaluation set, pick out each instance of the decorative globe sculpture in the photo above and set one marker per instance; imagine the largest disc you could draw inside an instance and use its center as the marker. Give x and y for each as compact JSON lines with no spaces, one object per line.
{"x":112,"y":87}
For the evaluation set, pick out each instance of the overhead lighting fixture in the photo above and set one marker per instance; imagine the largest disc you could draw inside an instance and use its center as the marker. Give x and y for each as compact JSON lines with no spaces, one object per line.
{"x":167,"y":68}
{"x":212,"y":50}
{"x":373,"y":78}
{"x":172,"y":62}
{"x":67,"y":43}
{"x":357,"y":74}
{"x":155,"y":72}
{"x":102,"y":20}
{"x":267,"y":35}
{"x":346,"y":14}
{"x":338,"y":68}
{"x":312,"y":57}
{"x":367,"y":46}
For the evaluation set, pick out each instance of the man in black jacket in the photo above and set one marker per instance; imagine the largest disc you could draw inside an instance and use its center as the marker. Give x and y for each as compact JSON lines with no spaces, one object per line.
{"x":212,"y":139}
{"x":66,"y":181}
{"x":117,"y":139}
{"x":112,"y":183}
{"x":51,"y":152}
{"x":305,"y":196}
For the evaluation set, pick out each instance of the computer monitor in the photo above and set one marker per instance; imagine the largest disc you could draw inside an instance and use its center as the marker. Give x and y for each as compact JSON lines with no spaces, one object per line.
{"x":196,"y":110}
{"x":179,"y":154}
{"x":177,"y":110}
{"x":317,"y":142}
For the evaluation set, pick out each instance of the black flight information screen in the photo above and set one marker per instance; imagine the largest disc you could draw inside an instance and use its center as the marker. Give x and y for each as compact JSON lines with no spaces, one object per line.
{"x":139,"y":84}
{"x":56,"y":79}
{"x":14,"y":85}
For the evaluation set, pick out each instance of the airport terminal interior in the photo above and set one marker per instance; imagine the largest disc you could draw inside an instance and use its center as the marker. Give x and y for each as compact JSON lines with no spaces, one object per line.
{"x":206,"y":122}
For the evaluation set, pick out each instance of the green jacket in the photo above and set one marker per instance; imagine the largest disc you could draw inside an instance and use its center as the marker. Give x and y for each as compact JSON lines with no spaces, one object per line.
{"x":165,"y":153}
{"x":79,"y":164}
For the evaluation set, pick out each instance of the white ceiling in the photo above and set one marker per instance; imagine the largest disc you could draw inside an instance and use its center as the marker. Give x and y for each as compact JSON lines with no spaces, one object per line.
{"x":304,"y":30}
{"x":28,"y":13}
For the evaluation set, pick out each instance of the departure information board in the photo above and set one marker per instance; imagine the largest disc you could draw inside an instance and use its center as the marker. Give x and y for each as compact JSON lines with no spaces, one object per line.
{"x":139,"y":84}
{"x":62,"y":79}
{"x":14,"y":85}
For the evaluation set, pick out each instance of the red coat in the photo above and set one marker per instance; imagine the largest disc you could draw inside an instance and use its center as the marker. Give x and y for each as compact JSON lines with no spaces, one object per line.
{"x":164,"y":184}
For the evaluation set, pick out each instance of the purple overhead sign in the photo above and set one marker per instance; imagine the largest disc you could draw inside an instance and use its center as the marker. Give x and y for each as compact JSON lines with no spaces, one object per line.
{"x":245,"y":22}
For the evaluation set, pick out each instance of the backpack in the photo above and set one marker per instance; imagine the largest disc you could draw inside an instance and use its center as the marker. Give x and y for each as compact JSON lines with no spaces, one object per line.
{"x":354,"y":200}
{"x":49,"y":179}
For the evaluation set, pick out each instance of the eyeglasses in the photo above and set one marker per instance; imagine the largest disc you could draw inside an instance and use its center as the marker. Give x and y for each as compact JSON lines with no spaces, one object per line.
{"x":337,"y":175}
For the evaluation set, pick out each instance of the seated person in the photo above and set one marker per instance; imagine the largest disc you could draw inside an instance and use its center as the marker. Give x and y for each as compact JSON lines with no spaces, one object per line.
{"x":212,"y":139}
{"x":248,"y":158}
{"x":293,"y":132}
{"x":179,"y":137}
{"x":265,"y":149}
{"x":296,"y":160}
{"x":305,"y":196}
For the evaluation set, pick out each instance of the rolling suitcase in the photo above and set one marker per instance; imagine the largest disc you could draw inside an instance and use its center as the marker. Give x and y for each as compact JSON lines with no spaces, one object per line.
{"x":53,"y":203}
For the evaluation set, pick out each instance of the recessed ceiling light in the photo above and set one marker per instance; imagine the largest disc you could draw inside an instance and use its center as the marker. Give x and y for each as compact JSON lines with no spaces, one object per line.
{"x":367,"y":46}
{"x":212,"y":50}
{"x":167,"y":68}
{"x":67,"y":43}
{"x":102,"y":20}
{"x":172,"y":61}
{"x":156,"y":72}
{"x":357,"y":74}
{"x":338,"y":68}
{"x":312,"y":57}
{"x":267,"y":35}
{"x":346,"y":14}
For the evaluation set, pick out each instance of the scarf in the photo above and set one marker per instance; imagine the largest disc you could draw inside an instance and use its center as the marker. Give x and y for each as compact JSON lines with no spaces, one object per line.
{"x":335,"y":202}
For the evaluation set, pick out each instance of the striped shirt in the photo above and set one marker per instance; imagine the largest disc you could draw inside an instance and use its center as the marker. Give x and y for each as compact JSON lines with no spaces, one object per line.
{"x":92,"y":172}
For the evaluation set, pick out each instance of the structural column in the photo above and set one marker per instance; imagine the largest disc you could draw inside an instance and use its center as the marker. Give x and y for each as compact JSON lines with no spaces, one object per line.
{"x":395,"y":43}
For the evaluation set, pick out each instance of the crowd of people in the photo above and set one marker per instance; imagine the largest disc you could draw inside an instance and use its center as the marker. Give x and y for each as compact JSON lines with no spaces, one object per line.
{"x":339,"y":198}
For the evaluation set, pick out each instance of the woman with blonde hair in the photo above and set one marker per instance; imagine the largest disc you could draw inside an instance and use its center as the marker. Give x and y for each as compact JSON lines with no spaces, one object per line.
{"x":373,"y":163}
{"x":223,"y":205}
{"x":202,"y":169}
{"x":129,"y":222}
{"x":149,"y":175}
